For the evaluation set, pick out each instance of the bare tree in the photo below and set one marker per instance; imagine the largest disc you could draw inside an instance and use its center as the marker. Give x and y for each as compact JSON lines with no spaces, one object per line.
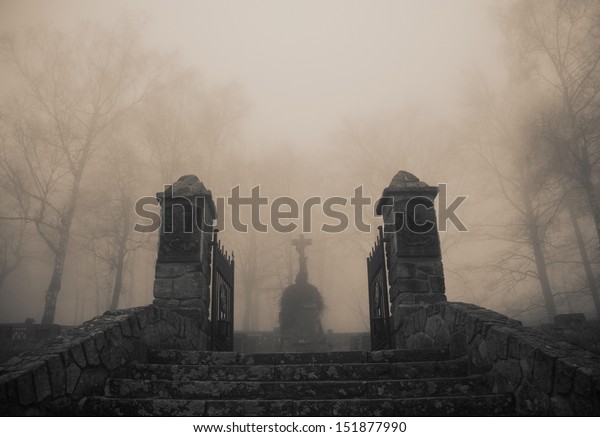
{"x":109,"y":215}
{"x":557,"y":43}
{"x":73,"y":92}
{"x":508,"y":141}
{"x":187,"y":124}
{"x":585,"y":259}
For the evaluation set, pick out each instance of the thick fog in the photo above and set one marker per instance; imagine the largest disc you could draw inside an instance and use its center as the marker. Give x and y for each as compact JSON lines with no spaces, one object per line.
{"x":103,"y":103}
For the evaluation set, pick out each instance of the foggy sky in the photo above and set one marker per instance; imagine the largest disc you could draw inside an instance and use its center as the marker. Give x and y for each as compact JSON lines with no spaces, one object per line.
{"x":305,"y":65}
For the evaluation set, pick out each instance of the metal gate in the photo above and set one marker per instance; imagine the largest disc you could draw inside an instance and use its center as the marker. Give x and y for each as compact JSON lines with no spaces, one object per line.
{"x":379,"y":309}
{"x":221,"y":312}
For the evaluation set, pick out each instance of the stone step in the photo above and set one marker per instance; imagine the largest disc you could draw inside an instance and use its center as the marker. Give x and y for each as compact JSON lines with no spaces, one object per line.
{"x":168,"y":356}
{"x":302,"y":372}
{"x":407,"y":388}
{"x":479,"y":405}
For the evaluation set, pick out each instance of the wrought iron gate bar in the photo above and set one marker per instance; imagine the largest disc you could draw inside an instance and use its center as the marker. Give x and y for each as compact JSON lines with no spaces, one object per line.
{"x":222,"y":294}
{"x":379,"y":309}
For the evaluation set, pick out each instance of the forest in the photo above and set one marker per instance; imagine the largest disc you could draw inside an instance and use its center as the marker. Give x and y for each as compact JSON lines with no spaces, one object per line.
{"x":99,"y":110}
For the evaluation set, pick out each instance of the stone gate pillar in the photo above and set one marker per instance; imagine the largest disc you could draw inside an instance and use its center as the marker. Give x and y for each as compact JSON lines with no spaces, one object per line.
{"x":182,"y":279}
{"x":414,"y":258}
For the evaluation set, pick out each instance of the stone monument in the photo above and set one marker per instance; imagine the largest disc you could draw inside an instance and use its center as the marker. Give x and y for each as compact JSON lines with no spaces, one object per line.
{"x":182,"y":280}
{"x":414,"y":257}
{"x":413,"y":253}
{"x":301,"y":306}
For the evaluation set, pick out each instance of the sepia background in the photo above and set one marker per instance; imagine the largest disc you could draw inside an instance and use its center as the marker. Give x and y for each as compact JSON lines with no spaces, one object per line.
{"x":102,"y":103}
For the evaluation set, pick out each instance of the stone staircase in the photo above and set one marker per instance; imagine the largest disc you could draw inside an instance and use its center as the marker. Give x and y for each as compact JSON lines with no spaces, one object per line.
{"x":422,"y":382}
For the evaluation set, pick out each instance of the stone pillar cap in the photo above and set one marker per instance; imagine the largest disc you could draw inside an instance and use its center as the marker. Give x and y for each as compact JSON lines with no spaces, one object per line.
{"x":189,"y":187}
{"x":404,"y":183}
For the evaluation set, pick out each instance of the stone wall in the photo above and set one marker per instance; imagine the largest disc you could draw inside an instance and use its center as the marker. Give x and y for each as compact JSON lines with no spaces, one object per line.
{"x":547,"y":377}
{"x":54,"y":377}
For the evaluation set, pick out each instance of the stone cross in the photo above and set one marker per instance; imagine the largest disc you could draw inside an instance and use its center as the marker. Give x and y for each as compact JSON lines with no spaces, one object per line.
{"x":300,"y":244}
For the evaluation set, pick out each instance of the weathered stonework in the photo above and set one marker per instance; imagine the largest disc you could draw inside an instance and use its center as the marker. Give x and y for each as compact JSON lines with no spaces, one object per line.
{"x":52,"y":378}
{"x":546,"y":377}
{"x":182,"y":277}
{"x":414,"y":260}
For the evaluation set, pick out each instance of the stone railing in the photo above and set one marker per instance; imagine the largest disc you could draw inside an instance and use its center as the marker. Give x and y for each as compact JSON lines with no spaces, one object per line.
{"x":54,"y":377}
{"x":547,"y":377}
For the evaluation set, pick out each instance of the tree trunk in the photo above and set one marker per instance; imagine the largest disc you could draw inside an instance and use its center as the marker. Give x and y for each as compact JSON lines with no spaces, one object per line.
{"x":121,"y":254}
{"x":60,"y":252}
{"x":116,"y":295}
{"x":55,"y":282}
{"x":540,"y":263}
{"x":589,"y":274}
